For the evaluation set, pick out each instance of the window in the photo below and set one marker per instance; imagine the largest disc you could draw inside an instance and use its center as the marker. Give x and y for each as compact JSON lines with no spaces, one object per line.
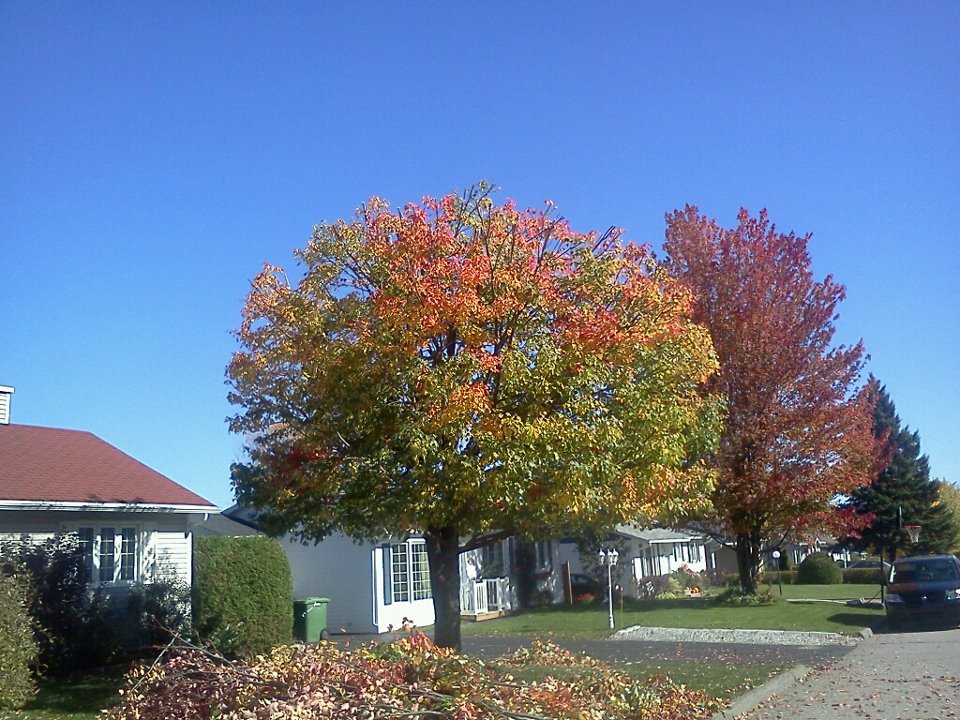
{"x":695,"y":553}
{"x":407,"y":572}
{"x":492,"y":564}
{"x":543,"y":554}
{"x":399,"y":573}
{"x":420,"y":565}
{"x":109,"y":553}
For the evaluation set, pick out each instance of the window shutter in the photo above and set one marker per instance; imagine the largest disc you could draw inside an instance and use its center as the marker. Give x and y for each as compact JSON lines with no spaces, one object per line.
{"x":387,"y":576}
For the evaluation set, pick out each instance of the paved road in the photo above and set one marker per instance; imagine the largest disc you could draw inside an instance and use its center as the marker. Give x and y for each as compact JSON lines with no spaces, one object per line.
{"x":891,"y":676}
{"x":645,"y":651}
{"x":641,"y":651}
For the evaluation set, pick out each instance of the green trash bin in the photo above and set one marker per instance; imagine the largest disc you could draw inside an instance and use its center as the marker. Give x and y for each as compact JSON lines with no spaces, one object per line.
{"x":310,"y":619}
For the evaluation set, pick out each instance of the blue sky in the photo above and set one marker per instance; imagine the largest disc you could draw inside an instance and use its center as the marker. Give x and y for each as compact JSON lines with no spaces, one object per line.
{"x":154,"y":155}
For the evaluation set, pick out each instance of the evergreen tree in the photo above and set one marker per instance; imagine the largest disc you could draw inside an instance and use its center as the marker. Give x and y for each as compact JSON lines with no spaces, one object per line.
{"x":902,"y":494}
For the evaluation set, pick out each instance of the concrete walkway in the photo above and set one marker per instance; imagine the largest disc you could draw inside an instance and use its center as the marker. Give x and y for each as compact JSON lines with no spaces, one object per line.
{"x":894,"y":676}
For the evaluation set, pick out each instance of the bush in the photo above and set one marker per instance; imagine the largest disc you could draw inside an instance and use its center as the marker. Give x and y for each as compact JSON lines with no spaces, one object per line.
{"x":18,"y":649}
{"x":735,"y":598}
{"x":74,"y":631}
{"x":160,"y":611}
{"x":862,"y":576}
{"x":819,"y":569}
{"x":242,"y":594}
{"x":787,"y":577}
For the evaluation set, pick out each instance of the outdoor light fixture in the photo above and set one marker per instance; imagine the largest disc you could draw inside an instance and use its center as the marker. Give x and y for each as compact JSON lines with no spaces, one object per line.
{"x":609,"y":558}
{"x":776,"y":558}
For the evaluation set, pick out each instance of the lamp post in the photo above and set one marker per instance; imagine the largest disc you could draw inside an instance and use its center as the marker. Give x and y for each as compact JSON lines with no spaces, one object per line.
{"x":776,"y":559}
{"x":609,"y":558}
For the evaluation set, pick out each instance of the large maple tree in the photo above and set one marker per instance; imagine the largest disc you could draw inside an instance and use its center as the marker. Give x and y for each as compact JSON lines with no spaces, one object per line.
{"x":798,"y":430}
{"x":466,"y":370}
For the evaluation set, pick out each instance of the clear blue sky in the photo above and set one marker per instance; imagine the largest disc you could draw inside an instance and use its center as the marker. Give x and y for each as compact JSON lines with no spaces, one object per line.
{"x":154,"y":154}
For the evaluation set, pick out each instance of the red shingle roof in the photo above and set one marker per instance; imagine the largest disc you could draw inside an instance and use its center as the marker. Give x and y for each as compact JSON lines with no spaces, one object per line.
{"x":39,"y":464}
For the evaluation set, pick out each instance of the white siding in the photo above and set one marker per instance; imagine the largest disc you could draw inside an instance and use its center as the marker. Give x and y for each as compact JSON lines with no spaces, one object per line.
{"x":164,"y":539}
{"x":174,"y":555}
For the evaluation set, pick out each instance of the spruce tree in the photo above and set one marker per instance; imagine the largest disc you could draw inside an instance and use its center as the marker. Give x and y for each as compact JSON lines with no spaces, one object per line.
{"x":903,"y":489}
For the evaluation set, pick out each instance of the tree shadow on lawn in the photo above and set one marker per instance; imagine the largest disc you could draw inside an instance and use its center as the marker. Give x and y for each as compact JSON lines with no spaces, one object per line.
{"x":80,"y":694}
{"x":856,"y":619}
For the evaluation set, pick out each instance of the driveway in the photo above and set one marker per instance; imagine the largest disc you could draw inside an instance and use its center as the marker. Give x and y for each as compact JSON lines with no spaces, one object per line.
{"x":890,"y":676}
{"x":665,"y":651}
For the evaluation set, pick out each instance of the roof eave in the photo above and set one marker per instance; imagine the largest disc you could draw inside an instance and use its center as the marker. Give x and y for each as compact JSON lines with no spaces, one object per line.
{"x":105,"y":506}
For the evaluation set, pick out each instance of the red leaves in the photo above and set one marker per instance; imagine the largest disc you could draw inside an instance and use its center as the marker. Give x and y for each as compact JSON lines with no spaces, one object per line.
{"x":798,"y":428}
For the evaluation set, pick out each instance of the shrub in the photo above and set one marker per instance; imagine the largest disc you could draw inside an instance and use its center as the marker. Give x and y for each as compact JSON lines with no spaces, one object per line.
{"x":862,"y":576}
{"x":819,"y":569}
{"x":242,"y":594}
{"x":734,"y":597}
{"x":160,"y":611}
{"x":18,"y":649}
{"x":74,"y":631}
{"x":787,"y":577}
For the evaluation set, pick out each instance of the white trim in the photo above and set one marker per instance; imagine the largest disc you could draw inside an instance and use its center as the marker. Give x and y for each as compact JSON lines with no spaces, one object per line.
{"x":103,"y":507}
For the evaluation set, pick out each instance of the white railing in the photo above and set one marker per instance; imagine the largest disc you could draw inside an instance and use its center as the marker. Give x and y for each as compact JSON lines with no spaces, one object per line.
{"x":478,"y":597}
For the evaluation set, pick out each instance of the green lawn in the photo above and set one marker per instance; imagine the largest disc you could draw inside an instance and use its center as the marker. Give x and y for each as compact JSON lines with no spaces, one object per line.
{"x":590,"y":621}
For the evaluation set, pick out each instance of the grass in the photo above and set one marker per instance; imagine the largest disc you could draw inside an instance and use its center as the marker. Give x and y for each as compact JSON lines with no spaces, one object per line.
{"x":590,"y":621}
{"x":79,"y":698}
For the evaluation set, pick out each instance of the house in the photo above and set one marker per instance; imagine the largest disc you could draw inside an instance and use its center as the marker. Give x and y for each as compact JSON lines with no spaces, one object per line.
{"x":376,"y":587}
{"x":648,"y":552}
{"x":134,"y":523}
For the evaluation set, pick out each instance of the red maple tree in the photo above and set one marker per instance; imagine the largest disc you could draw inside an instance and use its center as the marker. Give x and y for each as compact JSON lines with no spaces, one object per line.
{"x":798,"y":427}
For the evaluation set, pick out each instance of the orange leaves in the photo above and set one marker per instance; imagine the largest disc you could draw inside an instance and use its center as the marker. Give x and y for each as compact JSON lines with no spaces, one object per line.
{"x":446,"y":355}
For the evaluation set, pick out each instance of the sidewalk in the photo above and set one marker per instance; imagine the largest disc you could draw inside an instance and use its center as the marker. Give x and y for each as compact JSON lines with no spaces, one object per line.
{"x":907,"y":676}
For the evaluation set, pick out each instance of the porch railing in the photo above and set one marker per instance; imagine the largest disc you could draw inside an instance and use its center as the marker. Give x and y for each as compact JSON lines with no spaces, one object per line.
{"x":478,"y":597}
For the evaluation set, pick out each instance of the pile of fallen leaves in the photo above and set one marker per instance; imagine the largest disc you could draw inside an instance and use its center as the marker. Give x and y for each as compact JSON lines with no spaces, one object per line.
{"x":410,"y":678}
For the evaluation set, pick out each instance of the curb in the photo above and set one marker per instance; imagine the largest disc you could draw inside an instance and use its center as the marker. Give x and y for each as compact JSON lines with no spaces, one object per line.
{"x":751,"y":700}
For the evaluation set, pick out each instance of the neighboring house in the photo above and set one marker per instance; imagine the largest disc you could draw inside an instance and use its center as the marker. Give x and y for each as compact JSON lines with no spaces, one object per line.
{"x":799,"y":550}
{"x":219,"y":525}
{"x":648,"y":553}
{"x":133,"y":523}
{"x":375,"y":587}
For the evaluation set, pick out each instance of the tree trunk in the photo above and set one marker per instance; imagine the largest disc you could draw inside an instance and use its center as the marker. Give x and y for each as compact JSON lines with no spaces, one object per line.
{"x":443,"y":551}
{"x":748,"y":561}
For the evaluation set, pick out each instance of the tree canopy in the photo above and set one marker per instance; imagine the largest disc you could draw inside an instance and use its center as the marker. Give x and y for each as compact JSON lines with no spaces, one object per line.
{"x":465,"y":369}
{"x":798,"y":426}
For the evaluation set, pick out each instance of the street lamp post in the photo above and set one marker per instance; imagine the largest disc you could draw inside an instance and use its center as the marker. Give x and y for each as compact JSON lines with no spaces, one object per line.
{"x":776,"y":559}
{"x":609,"y":558}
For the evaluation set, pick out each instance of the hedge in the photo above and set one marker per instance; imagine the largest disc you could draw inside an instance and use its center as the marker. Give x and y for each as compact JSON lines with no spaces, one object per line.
{"x":242,"y":594}
{"x":787,"y":577}
{"x":819,"y":569}
{"x":862,"y":576}
{"x":18,"y":649}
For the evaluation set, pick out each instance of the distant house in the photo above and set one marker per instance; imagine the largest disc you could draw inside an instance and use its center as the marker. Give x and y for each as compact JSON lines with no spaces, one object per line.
{"x":134,"y":524}
{"x":650,"y":552}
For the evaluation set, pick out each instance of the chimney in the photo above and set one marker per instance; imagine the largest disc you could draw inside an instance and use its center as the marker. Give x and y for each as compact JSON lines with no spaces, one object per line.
{"x":5,"y":392}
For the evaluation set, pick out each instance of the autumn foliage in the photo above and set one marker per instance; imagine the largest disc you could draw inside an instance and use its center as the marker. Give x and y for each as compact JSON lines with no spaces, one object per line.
{"x":461,"y":369}
{"x":798,"y":428}
{"x":411,"y":678}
